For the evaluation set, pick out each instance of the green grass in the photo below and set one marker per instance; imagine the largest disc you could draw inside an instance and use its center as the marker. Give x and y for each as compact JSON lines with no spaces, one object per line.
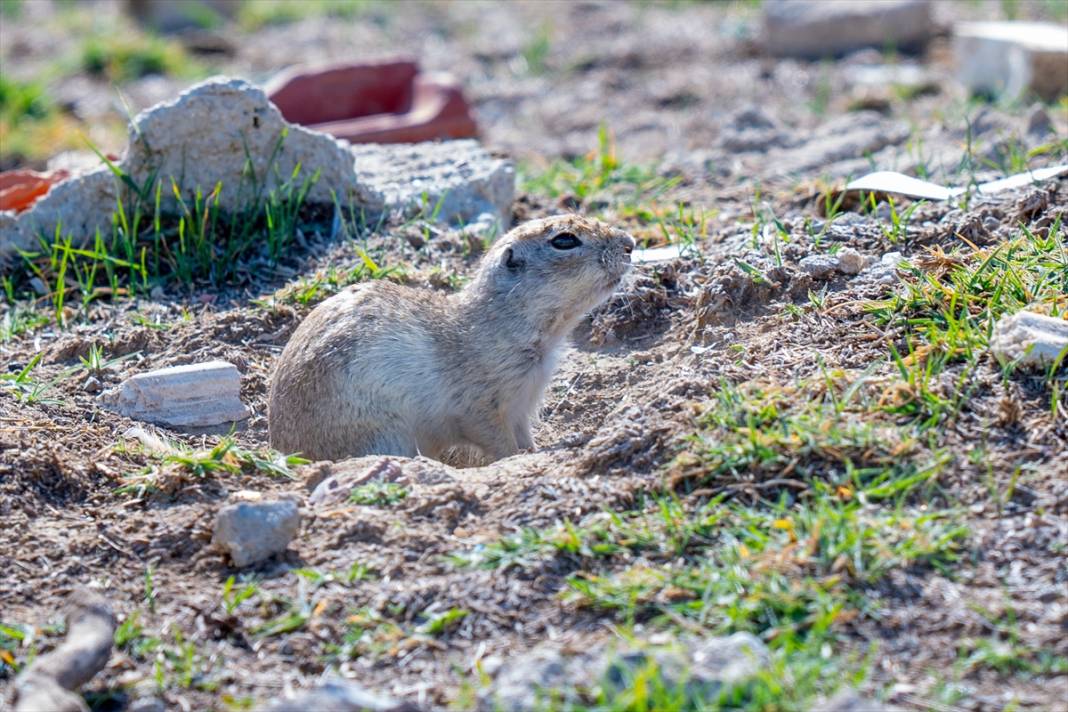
{"x":794,"y":575}
{"x":196,"y":244}
{"x":20,"y":317}
{"x":175,"y":465}
{"x":21,"y":101}
{"x":257,"y":14}
{"x":756,"y":441}
{"x":599,"y":175}
{"x":311,"y":289}
{"x":124,"y":57}
{"x":378,"y":494}
{"x":27,"y":389}
{"x":12,"y":639}
{"x":946,"y":314}
{"x":800,"y":501}
{"x":536,"y":51}
{"x":31,"y":128}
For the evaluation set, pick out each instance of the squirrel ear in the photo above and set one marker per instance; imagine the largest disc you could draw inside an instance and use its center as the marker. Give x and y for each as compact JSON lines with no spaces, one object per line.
{"x":510,"y":261}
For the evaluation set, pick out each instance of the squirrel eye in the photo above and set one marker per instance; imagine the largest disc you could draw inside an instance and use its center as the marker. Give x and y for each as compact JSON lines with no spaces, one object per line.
{"x":565,"y":241}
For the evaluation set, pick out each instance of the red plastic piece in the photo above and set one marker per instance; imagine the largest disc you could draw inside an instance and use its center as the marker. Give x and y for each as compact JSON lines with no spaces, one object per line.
{"x":20,"y":189}
{"x":375,"y":103}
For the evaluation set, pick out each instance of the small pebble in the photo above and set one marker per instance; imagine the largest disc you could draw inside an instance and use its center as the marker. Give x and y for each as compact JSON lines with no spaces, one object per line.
{"x":850,"y":261}
{"x":252,"y":531}
{"x":92,"y":385}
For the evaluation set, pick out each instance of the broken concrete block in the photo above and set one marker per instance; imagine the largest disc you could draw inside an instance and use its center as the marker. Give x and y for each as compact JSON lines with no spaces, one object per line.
{"x":1009,"y":59}
{"x":256,"y":529}
{"x":813,"y":29}
{"x":1029,"y":339}
{"x":201,"y":138}
{"x":455,"y":182}
{"x":219,"y":132}
{"x":197,"y":395}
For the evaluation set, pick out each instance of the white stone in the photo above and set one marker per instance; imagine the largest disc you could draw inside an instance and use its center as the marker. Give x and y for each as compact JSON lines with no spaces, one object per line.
{"x":1011,"y":58}
{"x":816,"y":28}
{"x":1029,"y":339}
{"x":850,"y":261}
{"x":252,"y":531}
{"x":652,"y":255}
{"x":197,"y":395}
{"x":455,"y":182}
{"x":885,"y":270}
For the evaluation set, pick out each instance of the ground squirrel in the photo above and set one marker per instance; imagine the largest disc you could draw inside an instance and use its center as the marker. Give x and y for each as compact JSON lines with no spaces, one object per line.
{"x":392,"y":370}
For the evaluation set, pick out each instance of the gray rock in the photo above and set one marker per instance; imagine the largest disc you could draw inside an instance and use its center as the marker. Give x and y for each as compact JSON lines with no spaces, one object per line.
{"x":819,"y":266}
{"x":206,"y":136}
{"x":813,"y":29}
{"x":1009,"y":59}
{"x":197,"y":395}
{"x":885,"y":270}
{"x":256,"y":529}
{"x":342,"y":696}
{"x":1030,"y":339}
{"x":455,"y":182}
{"x":702,"y":665}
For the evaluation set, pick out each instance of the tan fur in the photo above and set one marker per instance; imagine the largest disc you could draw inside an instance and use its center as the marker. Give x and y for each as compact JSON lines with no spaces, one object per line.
{"x":391,"y":370}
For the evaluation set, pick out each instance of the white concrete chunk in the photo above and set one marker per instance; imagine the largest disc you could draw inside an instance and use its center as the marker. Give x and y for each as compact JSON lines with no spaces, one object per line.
{"x":252,"y":530}
{"x":817,"y":28}
{"x":1011,"y":58}
{"x":209,"y":135}
{"x":1030,"y":339}
{"x":456,"y":181}
{"x":197,"y":395}
{"x":226,"y":132}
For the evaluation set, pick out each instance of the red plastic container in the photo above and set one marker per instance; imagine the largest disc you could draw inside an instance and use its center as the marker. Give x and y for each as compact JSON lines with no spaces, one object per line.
{"x":389,"y":102}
